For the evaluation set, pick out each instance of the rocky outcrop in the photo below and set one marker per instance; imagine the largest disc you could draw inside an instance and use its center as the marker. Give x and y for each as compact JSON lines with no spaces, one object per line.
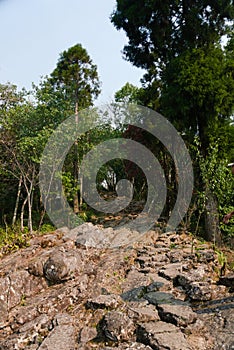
{"x":96,"y":288}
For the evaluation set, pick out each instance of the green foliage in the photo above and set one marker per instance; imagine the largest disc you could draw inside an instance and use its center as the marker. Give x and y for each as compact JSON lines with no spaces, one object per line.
{"x":28,"y":119}
{"x":161,"y":30}
{"x":45,"y":228}
{"x":68,"y":185}
{"x":189,"y":78}
{"x":76,"y":77}
{"x":128,"y":94}
{"x":222,"y":259}
{"x":215,"y":175}
{"x":12,"y":239}
{"x":198,"y":90}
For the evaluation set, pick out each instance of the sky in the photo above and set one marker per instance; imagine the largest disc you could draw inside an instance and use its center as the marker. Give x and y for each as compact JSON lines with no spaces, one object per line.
{"x":34,"y":32}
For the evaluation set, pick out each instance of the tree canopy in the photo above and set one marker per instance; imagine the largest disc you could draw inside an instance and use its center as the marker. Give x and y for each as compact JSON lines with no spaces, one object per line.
{"x":161,"y":30}
{"x":76,"y":77}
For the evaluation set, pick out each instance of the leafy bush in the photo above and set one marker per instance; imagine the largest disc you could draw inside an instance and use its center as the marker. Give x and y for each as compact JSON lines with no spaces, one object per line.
{"x":12,"y":239}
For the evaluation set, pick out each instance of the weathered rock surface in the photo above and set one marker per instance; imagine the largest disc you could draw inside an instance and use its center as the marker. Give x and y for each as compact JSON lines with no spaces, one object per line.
{"x":179,"y":315}
{"x":78,"y":289}
{"x":161,"y":335}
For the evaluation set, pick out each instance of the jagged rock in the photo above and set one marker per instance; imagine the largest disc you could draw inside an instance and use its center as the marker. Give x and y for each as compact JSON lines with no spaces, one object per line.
{"x":116,"y":326}
{"x":28,"y":332}
{"x":205,"y":256}
{"x":227,"y":280}
{"x":124,"y":237}
{"x":175,"y":257}
{"x":135,"y":279}
{"x":179,"y":315}
{"x":60,"y":338}
{"x":3,"y":313}
{"x":200,"y":291}
{"x":171,"y":271}
{"x":142,"y":312}
{"x":104,"y":302}
{"x":113,"y":298}
{"x":193,"y":283}
{"x":133,"y":346}
{"x":62,"y":319}
{"x":156,"y":285}
{"x":157,"y":298}
{"x":135,"y":294}
{"x":87,"y":334}
{"x":199,"y":337}
{"x":61,"y":266}
{"x":89,"y":235}
{"x":60,"y":333}
{"x":195,"y":273}
{"x":49,"y":241}
{"x":160,"y":335}
{"x":18,"y":285}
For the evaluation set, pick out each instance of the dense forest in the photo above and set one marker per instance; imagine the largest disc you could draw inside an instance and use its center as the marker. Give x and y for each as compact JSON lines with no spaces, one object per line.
{"x":187,"y":51}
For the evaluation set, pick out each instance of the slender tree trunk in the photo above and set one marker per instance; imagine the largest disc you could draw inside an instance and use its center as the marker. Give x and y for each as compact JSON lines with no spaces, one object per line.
{"x":17,"y":201}
{"x":76,"y":171}
{"x":30,"y":201}
{"x":22,"y":214}
{"x":30,"y":214}
{"x":41,"y":218}
{"x":76,"y":167}
{"x":81,"y":189}
{"x":212,"y":229}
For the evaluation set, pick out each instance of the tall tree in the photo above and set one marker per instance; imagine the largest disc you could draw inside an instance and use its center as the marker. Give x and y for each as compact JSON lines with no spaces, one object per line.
{"x":177,"y":42}
{"x":19,"y":147}
{"x":161,"y":30}
{"x":76,"y":79}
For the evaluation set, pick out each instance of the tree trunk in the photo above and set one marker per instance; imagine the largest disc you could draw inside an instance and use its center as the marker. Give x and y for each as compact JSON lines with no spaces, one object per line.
{"x":30,"y":214}
{"x":81,"y":189}
{"x":43,"y":212}
{"x":17,"y":201}
{"x":212,"y":229}
{"x":22,"y":214}
{"x":76,"y":177}
{"x":76,"y":168}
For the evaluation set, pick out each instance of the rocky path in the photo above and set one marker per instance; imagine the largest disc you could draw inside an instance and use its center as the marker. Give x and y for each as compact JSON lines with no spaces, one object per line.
{"x":95,"y":288}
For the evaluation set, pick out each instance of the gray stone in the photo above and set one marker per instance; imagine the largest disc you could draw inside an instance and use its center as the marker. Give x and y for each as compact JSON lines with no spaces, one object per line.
{"x":60,"y":338}
{"x":171,"y":271}
{"x":205,"y":256}
{"x":116,"y":326}
{"x":135,"y":294}
{"x":84,"y":301}
{"x":200,"y":291}
{"x":110,"y":301}
{"x":124,"y":237}
{"x":61,"y":266}
{"x":36,"y":324}
{"x":3,"y":313}
{"x":142,"y":312}
{"x":162,"y":336}
{"x":227,"y":280}
{"x":157,"y":298}
{"x":132,"y":346}
{"x":17,"y":285}
{"x":179,"y":315}
{"x":89,"y":235}
{"x":87,"y":334}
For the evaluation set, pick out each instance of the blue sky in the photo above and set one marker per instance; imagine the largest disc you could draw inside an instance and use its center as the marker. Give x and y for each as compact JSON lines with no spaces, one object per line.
{"x":34,"y":32}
